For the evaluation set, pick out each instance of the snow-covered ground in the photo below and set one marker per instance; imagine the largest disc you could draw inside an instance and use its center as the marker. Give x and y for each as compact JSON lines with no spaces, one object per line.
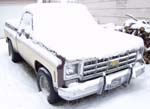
{"x":18,"y":90}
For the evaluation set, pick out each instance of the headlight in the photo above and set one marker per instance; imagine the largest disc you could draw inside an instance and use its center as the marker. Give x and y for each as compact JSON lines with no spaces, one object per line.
{"x":140,"y":53}
{"x":71,"y":70}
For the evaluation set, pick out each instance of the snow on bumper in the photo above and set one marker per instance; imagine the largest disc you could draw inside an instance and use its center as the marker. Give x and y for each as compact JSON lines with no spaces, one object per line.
{"x":80,"y":90}
{"x":138,"y":70}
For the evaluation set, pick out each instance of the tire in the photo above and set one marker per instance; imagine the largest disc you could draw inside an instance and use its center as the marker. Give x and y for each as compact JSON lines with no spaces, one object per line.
{"x":15,"y":57}
{"x":51,"y":94}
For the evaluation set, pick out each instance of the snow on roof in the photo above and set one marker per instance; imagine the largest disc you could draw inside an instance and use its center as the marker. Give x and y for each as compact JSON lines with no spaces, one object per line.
{"x":36,"y":7}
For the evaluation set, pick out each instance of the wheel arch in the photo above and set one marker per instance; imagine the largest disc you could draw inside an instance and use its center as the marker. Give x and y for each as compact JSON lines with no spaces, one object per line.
{"x":38,"y":64}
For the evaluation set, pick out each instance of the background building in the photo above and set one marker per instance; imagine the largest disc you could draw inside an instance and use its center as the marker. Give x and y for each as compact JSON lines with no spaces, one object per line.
{"x":104,"y":11}
{"x":115,"y":10}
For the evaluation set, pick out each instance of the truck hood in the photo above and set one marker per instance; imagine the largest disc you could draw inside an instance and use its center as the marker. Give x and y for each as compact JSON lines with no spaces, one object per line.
{"x":81,"y":44}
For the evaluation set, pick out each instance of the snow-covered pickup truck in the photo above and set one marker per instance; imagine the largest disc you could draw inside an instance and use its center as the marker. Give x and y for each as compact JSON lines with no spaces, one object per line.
{"x":72,"y":56}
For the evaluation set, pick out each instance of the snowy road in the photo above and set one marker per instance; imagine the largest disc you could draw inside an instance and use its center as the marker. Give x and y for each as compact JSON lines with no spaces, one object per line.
{"x":18,"y":90}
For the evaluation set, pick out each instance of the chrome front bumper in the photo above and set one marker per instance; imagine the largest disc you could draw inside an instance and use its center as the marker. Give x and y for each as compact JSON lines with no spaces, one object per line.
{"x":80,"y":90}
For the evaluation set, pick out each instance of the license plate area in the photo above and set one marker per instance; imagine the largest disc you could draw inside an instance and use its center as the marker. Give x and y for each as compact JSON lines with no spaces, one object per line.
{"x":114,"y":84}
{"x":116,"y":80}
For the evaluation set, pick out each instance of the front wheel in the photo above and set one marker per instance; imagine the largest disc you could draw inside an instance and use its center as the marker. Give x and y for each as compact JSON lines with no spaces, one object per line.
{"x":46,"y":86}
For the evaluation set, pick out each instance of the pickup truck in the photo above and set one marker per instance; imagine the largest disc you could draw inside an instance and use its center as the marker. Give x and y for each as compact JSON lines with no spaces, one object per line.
{"x":71,"y":55}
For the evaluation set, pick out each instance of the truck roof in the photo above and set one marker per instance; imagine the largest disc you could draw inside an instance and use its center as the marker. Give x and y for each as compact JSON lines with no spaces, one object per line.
{"x":45,"y":7}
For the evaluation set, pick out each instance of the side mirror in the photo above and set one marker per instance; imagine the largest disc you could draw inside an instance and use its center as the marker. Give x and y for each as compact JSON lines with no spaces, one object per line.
{"x":20,"y":32}
{"x":27,"y":32}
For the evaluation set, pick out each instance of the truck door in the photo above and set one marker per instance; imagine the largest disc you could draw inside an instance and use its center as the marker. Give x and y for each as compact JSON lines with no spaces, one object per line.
{"x":24,"y":37}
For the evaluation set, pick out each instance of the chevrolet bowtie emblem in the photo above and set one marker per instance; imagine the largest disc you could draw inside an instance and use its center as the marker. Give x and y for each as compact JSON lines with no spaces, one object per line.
{"x":113,"y":63}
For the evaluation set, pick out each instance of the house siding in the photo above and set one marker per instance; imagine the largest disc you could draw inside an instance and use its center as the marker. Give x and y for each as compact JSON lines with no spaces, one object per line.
{"x":104,"y":11}
{"x":115,"y":10}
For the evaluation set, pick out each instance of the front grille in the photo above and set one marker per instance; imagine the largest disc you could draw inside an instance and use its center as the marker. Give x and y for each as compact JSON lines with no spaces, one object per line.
{"x":95,"y":67}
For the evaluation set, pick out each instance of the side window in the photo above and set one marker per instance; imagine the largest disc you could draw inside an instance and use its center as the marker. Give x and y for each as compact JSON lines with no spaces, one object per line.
{"x":26,"y":22}
{"x":27,"y":19}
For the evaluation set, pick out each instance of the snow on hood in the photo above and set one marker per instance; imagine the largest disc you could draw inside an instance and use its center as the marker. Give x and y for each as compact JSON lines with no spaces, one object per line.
{"x":72,"y":32}
{"x":89,"y":44}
